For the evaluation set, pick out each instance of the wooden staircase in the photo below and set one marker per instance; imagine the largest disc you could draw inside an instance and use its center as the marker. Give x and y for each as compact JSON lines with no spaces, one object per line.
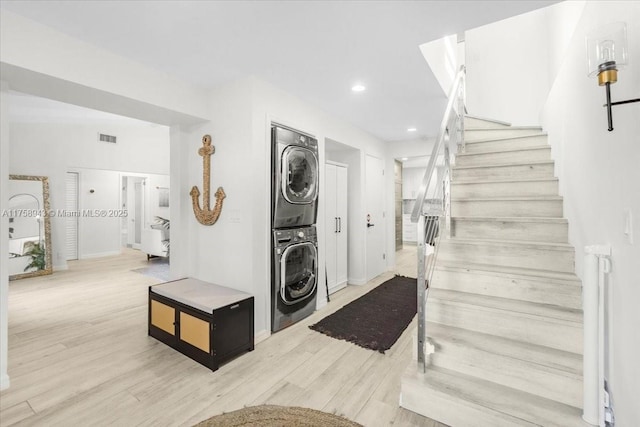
{"x":504,"y":308}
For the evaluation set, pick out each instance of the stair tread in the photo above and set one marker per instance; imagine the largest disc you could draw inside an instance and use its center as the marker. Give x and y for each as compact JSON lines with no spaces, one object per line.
{"x":505,"y":165}
{"x":494,"y":242}
{"x":550,"y":359}
{"x":518,"y":407}
{"x":501,"y":181}
{"x":511,"y":219}
{"x":503,"y":138}
{"x":513,"y":272}
{"x":509,"y":198}
{"x":511,"y":305}
{"x":506,"y":129}
{"x":484,"y":119}
{"x":510,"y":150}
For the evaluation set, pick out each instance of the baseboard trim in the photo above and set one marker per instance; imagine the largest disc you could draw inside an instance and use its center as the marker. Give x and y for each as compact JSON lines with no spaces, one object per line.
{"x":358,"y":282}
{"x":261,"y":336}
{"x":4,"y":382}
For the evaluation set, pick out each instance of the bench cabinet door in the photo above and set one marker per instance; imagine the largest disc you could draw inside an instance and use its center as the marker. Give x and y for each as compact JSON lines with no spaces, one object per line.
{"x":195,"y":331}
{"x":163,"y":317}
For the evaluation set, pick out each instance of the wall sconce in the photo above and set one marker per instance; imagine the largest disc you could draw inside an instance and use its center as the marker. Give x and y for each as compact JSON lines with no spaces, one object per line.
{"x":607,"y":52}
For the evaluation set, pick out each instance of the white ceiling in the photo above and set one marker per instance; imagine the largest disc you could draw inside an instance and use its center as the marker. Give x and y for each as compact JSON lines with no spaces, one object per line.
{"x":314,"y":49}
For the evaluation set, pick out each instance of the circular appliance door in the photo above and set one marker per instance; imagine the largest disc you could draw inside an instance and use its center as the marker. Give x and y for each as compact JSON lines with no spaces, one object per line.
{"x":298,"y":272}
{"x":299,"y":175}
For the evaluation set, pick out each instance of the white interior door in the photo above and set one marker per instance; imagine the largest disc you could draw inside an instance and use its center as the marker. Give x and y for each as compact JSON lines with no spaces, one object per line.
{"x":375,"y":217}
{"x":71,"y":221}
{"x":331,"y":224}
{"x":138,"y":216}
{"x":343,"y":231}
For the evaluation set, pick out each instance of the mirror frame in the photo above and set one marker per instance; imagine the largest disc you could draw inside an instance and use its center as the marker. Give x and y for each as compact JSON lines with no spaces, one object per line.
{"x":47,"y":227}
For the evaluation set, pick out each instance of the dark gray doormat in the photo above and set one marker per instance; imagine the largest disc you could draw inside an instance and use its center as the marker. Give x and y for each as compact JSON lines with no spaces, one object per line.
{"x":377,"y":319}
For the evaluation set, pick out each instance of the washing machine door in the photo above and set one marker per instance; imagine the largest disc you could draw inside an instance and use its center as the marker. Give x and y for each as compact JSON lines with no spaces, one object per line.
{"x":298,"y":272}
{"x":299,"y":175}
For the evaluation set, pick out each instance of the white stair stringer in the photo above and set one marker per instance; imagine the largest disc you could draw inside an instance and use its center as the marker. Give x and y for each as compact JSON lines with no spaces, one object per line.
{"x":504,"y":309}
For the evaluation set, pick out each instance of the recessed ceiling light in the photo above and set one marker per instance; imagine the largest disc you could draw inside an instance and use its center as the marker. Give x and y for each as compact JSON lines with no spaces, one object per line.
{"x":358,"y":88}
{"x":404,"y":159}
{"x":412,"y":130}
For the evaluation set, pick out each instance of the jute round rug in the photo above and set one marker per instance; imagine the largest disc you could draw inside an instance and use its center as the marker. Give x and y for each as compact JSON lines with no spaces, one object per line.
{"x":277,"y":416}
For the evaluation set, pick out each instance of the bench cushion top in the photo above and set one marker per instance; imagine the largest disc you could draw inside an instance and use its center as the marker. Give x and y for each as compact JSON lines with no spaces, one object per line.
{"x":201,"y":295}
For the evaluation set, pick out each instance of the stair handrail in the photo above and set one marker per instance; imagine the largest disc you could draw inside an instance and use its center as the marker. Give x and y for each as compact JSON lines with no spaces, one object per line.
{"x":428,"y":227}
{"x":458,"y":86}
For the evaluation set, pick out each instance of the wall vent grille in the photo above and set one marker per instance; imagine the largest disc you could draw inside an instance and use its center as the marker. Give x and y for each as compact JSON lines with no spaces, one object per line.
{"x":106,"y":138}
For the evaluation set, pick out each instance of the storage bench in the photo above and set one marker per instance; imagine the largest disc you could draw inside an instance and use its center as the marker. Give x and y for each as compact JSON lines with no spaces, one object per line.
{"x":207,"y":322}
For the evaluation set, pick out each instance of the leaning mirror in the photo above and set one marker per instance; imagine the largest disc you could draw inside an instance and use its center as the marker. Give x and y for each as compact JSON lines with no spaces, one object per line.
{"x":29,"y":227}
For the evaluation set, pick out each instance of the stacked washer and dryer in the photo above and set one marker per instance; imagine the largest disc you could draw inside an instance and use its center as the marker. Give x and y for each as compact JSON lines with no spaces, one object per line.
{"x":294,"y":191}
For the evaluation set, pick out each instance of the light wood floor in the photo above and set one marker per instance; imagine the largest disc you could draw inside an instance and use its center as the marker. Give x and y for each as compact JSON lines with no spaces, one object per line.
{"x":79,"y":355}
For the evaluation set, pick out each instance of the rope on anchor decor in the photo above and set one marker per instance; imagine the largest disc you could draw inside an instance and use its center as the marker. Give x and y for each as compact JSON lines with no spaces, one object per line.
{"x":205,"y":215}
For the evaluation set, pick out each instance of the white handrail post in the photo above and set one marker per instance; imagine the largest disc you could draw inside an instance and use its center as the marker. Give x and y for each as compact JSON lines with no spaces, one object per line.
{"x":422,"y":269}
{"x":593,"y":324}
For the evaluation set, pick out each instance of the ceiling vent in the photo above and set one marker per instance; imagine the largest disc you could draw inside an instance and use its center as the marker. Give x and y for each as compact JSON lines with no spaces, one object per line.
{"x":106,"y":138}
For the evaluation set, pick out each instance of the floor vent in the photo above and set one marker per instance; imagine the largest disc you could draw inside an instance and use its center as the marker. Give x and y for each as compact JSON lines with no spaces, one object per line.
{"x":106,"y":138}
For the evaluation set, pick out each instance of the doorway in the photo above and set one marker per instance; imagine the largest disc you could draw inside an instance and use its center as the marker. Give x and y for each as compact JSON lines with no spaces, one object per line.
{"x":134,"y":201}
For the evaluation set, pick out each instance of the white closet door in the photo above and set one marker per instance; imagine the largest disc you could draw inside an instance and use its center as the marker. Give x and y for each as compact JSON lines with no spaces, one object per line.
{"x":341,"y":213}
{"x":331,"y":224}
{"x":71,"y":221}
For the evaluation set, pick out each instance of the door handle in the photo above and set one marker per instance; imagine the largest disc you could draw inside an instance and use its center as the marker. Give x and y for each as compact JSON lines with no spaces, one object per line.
{"x":335,"y":224}
{"x":339,"y":224}
{"x":370,"y":225}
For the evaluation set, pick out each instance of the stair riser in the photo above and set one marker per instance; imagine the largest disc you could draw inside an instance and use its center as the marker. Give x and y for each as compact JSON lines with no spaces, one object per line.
{"x":542,"y":291}
{"x":555,"y":333}
{"x":505,"y":157}
{"x":511,"y":372}
{"x":461,"y":190}
{"x":531,"y":257}
{"x":470,"y":122}
{"x":505,"y":172}
{"x":505,"y":144}
{"x":510,"y":230}
{"x":471,"y":134}
{"x":452,"y":412}
{"x":502,"y":208}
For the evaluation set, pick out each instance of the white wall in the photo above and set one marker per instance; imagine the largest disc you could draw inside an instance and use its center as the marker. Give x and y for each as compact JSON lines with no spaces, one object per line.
{"x":83,"y":74}
{"x":4,"y":238}
{"x":236,"y":251}
{"x":442,"y":57}
{"x":599,"y":174}
{"x":513,"y":62}
{"x":52,"y":150}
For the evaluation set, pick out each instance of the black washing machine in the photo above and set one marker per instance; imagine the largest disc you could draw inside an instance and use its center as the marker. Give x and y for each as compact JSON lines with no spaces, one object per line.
{"x":295,"y":178}
{"x":294,"y":276}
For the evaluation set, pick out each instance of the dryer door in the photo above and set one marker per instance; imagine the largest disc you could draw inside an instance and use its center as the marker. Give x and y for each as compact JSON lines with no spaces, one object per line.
{"x":299,"y":175}
{"x":298,"y":272}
